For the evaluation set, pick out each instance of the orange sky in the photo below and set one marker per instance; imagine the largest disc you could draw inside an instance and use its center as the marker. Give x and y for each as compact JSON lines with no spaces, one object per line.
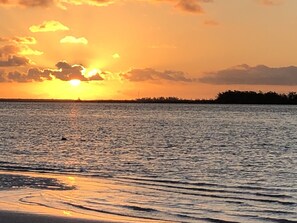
{"x":124,"y":49}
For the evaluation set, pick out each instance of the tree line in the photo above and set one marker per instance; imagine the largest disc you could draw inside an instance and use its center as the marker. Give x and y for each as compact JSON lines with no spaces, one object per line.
{"x":232,"y":97}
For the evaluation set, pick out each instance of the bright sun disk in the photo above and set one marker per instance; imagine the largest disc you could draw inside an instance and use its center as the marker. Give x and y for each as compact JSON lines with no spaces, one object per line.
{"x":74,"y":82}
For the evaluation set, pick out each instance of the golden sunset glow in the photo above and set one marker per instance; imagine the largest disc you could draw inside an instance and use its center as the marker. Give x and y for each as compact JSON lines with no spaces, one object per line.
{"x":187,"y":49}
{"x":93,"y":72}
{"x":74,"y":82}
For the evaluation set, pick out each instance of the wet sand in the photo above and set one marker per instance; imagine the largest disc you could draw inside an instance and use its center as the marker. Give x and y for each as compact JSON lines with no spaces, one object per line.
{"x":18,"y":217}
{"x":27,"y":197}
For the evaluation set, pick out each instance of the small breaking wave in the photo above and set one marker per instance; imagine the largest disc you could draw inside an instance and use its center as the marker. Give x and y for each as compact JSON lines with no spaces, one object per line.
{"x":11,"y":181}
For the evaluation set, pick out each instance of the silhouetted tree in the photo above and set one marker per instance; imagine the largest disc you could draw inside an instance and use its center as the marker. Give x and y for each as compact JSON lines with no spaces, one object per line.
{"x":251,"y":97}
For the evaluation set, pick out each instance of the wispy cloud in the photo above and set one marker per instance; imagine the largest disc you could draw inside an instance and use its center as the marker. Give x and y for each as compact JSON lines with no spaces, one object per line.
{"x":192,"y":6}
{"x":26,"y":50}
{"x":49,"y":26}
{"x":116,"y":56}
{"x":211,"y":23}
{"x":88,"y":2}
{"x":75,"y":40}
{"x":60,"y":3}
{"x":28,"y":40}
{"x":271,"y":2}
{"x":258,"y":75}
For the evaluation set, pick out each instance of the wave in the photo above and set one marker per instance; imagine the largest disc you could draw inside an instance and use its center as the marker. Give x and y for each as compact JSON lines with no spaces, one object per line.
{"x":12,"y":181}
{"x":67,"y":170}
{"x":217,"y":191}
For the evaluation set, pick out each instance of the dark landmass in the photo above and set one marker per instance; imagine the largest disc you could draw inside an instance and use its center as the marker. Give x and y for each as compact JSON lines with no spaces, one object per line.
{"x":251,"y":97}
{"x":227,"y":97}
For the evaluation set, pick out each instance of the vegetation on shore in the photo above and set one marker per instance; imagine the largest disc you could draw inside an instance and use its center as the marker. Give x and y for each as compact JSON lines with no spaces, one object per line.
{"x":227,"y":97}
{"x":251,"y":97}
{"x":233,"y":97}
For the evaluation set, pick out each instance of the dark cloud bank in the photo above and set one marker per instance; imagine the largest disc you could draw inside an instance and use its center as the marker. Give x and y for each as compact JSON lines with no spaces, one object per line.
{"x":258,"y":75}
{"x":238,"y":75}
{"x":149,"y":74}
{"x":64,"y":72}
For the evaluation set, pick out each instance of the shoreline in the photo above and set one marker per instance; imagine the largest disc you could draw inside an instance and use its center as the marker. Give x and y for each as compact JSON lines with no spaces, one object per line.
{"x":24,"y":217}
{"x":29,"y":197}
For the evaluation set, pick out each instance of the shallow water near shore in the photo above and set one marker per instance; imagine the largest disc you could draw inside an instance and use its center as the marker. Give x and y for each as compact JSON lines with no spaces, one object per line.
{"x":151,"y":162}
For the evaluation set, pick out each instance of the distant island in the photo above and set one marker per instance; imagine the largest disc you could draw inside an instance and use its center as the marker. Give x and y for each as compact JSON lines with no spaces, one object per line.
{"x":227,"y":97}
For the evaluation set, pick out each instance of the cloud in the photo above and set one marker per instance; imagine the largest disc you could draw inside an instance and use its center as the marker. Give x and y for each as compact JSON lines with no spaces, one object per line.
{"x":32,"y":75}
{"x":2,"y":77}
{"x":116,"y":56}
{"x":27,"y":3}
{"x":18,"y":45}
{"x":35,"y":74}
{"x":75,"y":40}
{"x":258,"y":75}
{"x":192,"y":6}
{"x":17,"y":76}
{"x":25,"y":40}
{"x":68,"y":72}
{"x":35,"y":3}
{"x":96,"y":77}
{"x":58,"y":3}
{"x":13,"y":55}
{"x":211,"y":23}
{"x":149,"y":74}
{"x":14,"y":61}
{"x":25,"y":50}
{"x":88,"y":2}
{"x":271,"y":2}
{"x":63,"y":71}
{"x":9,"y":50}
{"x":48,"y":26}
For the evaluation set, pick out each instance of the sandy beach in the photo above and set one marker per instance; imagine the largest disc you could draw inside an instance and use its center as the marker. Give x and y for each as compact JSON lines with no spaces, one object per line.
{"x":18,"y":217}
{"x":27,"y":197}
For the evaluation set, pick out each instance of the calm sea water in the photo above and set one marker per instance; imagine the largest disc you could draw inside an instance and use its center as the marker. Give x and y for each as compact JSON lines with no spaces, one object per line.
{"x":185,"y":163}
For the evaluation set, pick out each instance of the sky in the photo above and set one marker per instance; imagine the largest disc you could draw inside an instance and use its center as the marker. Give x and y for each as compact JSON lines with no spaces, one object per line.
{"x":126,"y":49}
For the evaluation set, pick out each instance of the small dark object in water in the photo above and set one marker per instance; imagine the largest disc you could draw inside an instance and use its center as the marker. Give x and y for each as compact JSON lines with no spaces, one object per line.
{"x":63,"y":139}
{"x":82,"y":170}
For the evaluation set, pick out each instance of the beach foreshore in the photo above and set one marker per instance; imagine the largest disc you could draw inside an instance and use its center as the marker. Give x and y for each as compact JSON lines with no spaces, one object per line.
{"x":30,"y":197}
{"x":19,"y":217}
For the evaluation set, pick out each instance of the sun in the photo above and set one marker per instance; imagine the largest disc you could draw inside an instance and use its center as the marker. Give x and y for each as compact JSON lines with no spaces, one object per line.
{"x":74,"y":82}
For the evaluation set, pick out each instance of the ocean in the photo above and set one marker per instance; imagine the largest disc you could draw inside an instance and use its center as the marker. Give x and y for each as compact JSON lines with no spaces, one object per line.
{"x":154,"y":162}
